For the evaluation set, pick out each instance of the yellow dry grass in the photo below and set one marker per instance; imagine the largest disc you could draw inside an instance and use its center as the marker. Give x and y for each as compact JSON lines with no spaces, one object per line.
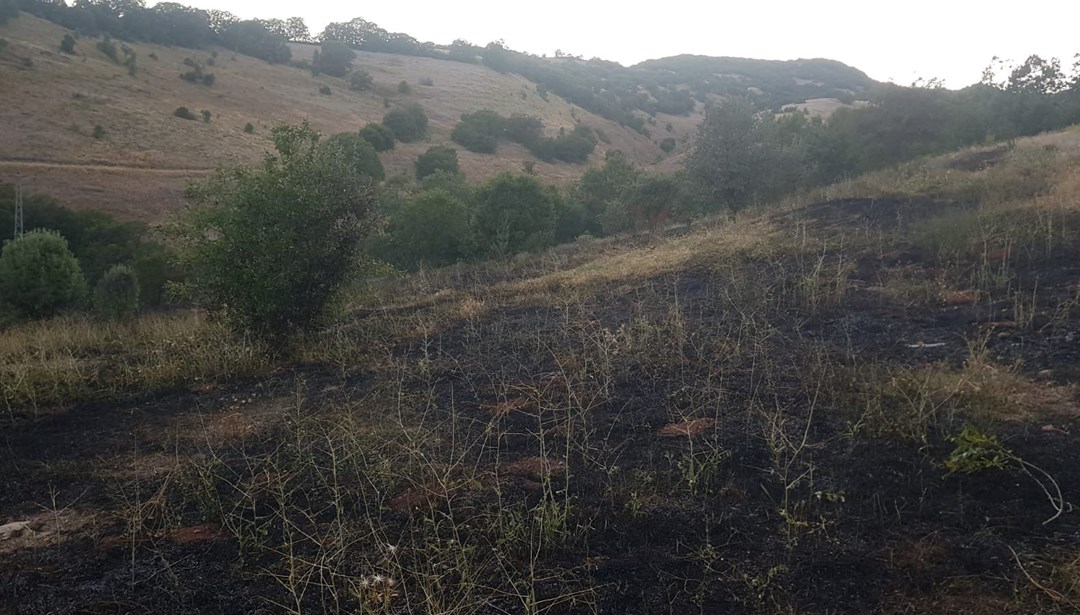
{"x":58,"y":100}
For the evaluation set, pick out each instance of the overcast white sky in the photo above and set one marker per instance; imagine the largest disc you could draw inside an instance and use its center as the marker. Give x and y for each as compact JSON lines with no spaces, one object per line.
{"x":898,"y":40}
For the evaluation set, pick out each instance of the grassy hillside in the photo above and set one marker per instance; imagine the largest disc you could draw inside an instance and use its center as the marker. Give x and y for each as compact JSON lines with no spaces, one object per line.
{"x":862,"y":400}
{"x":60,"y":99}
{"x":143,"y":156}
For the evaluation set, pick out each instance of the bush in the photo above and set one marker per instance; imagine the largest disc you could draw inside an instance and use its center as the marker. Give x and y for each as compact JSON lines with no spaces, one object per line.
{"x":108,"y":47}
{"x":39,"y":277}
{"x":361,"y":81}
{"x":431,"y":229}
{"x":514,"y":213}
{"x":334,"y":58}
{"x":409,"y":124}
{"x":269,"y":247}
{"x":359,"y":153}
{"x":249,"y":128}
{"x":380,"y":137}
{"x":67,"y":45}
{"x":403,"y":88}
{"x":479,"y":132}
{"x":325,"y":90}
{"x":524,"y":129}
{"x":184,"y":113}
{"x":437,"y":158}
{"x":668,"y":145}
{"x":99,"y":132}
{"x":206,"y":116}
{"x":116,"y":296}
{"x":196,"y":74}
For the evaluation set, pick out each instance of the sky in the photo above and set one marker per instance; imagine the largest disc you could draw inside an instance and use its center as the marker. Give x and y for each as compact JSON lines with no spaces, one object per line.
{"x":897,"y":41}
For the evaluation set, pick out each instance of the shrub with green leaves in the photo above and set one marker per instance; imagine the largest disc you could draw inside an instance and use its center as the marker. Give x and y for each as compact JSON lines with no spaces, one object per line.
{"x":39,"y":277}
{"x":380,"y":137}
{"x":184,"y":113}
{"x":514,"y":213}
{"x":268,"y":247}
{"x":116,"y":296}
{"x":479,"y":131}
{"x":431,"y":229}
{"x":360,"y":154}
{"x":361,"y":81}
{"x":249,"y":128}
{"x":408,"y":124}
{"x":436,"y":158}
{"x":404,"y":88}
{"x":67,"y":45}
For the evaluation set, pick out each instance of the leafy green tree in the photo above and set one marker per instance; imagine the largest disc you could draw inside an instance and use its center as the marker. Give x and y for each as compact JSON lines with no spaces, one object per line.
{"x":361,"y":81}
{"x":514,"y":213}
{"x":334,"y":58}
{"x":267,"y":248}
{"x":726,"y":156}
{"x":601,"y":188}
{"x":380,"y":137}
{"x":436,"y":158}
{"x":67,"y":45}
{"x":650,"y":202}
{"x":39,"y":276}
{"x":116,"y":296}
{"x":431,"y":229}
{"x":479,"y":131}
{"x":360,"y":154}
{"x":524,"y":129}
{"x":409,"y":124}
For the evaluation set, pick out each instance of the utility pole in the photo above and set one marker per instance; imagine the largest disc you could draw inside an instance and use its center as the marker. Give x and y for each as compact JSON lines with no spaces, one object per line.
{"x":18,"y":206}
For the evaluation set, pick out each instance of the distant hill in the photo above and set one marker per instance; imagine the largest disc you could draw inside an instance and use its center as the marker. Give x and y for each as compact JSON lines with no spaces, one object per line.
{"x":137,"y":163}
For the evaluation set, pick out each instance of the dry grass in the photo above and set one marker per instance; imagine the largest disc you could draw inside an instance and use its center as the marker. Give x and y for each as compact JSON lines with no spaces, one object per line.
{"x":61,"y":98}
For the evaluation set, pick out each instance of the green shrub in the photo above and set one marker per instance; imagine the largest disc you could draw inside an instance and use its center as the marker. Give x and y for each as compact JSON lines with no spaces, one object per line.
{"x":668,"y":145}
{"x":116,"y":296}
{"x":361,"y":81}
{"x":184,"y":113}
{"x":359,"y":153}
{"x":514,"y":213}
{"x":524,"y":129}
{"x":206,"y":116}
{"x":403,"y":88}
{"x":431,"y":229}
{"x":409,"y":123}
{"x":436,"y":158}
{"x":334,"y":58}
{"x":249,"y":128}
{"x":108,"y":47}
{"x":479,"y":132}
{"x":99,"y":132}
{"x":39,"y":276}
{"x":325,"y":90}
{"x":268,"y":248}
{"x":67,"y":45}
{"x":380,"y":137}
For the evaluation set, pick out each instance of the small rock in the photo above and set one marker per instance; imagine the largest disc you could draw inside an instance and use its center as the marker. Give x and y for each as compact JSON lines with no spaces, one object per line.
{"x":15,"y":529}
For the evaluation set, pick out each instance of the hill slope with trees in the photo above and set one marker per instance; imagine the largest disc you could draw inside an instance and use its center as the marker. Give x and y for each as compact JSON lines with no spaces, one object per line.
{"x":97,"y":119}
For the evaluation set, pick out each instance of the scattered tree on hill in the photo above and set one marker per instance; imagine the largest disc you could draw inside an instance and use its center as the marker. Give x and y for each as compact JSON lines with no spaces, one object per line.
{"x":403,"y":88}
{"x":254,"y":39}
{"x":380,"y":137}
{"x":268,"y":247}
{"x":408,"y":124}
{"x":116,"y":296}
{"x":431,"y":229}
{"x":184,"y":113}
{"x":514,"y":213}
{"x":334,"y":58}
{"x":602,"y":188}
{"x":361,"y":81}
{"x":358,"y":153}
{"x":67,"y":45}
{"x":39,"y":277}
{"x":437,"y":158}
{"x":479,"y":131}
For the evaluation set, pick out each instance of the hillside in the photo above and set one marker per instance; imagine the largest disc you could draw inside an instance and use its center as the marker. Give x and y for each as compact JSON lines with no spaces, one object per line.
{"x":137,"y":168}
{"x":863,"y":400}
